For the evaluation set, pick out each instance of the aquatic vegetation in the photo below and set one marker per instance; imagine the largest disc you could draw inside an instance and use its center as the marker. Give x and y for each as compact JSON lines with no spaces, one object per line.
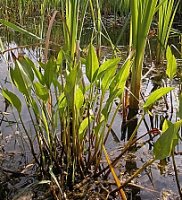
{"x":142,"y":13}
{"x":166,"y":16}
{"x":73,"y":98}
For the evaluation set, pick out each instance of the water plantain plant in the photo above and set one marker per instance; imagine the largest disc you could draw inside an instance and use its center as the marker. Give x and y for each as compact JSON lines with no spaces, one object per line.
{"x":71,"y":128}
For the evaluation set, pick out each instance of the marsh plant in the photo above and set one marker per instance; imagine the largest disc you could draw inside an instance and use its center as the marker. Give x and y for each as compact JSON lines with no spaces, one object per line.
{"x":166,"y":16}
{"x":71,"y":128}
{"x":142,"y":13}
{"x":70,"y":98}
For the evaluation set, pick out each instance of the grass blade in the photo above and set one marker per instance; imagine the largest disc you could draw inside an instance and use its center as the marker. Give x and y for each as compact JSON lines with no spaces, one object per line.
{"x":18,"y":29}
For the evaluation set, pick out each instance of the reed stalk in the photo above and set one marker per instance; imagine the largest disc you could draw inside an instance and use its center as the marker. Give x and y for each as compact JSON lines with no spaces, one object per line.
{"x":166,"y":16}
{"x":142,"y":12}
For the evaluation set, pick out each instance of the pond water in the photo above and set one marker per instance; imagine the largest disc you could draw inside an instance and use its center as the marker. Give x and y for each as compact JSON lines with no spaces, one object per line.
{"x":156,"y":182}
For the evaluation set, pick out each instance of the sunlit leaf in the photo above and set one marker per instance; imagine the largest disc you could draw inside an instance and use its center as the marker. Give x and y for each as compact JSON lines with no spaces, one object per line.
{"x":13,"y":99}
{"x":79,"y":98}
{"x":171,"y":64}
{"x":60,"y":57}
{"x":37,"y":73}
{"x":41,"y":91}
{"x":165,"y":125}
{"x":120,"y":79}
{"x":107,"y":79}
{"x":92,"y":64}
{"x":83,"y":126}
{"x":156,"y":95}
{"x":62,"y":101}
{"x":108,"y":64}
{"x":20,"y":79}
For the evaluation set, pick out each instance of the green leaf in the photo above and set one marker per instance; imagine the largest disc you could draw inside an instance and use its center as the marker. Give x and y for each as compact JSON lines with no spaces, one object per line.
{"x":50,"y":72}
{"x":84,"y":124}
{"x":107,"y":79}
{"x":60,"y":57}
{"x":79,"y":98}
{"x":20,"y":79}
{"x":62,"y":102}
{"x":120,"y":79}
{"x":35,"y":107}
{"x":13,"y":99}
{"x":171,"y":64}
{"x":109,"y":103}
{"x":41,"y":91}
{"x":37,"y":73}
{"x":107,"y":65}
{"x":69,"y":89}
{"x":156,"y":95}
{"x":165,"y":125}
{"x":92,"y":64}
{"x":18,"y":29}
{"x":26,"y":65}
{"x":165,"y":145}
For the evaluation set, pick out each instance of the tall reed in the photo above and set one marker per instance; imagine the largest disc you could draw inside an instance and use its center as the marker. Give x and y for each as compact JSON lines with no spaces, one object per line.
{"x":166,"y":16}
{"x":142,"y":12}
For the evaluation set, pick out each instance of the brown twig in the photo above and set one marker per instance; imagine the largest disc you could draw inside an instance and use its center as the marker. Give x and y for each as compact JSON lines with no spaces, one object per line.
{"x":133,"y":176}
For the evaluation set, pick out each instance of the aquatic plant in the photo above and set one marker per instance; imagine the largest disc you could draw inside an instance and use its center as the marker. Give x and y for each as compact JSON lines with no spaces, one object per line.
{"x":72,"y":123}
{"x":70,"y":98}
{"x":166,"y":14}
{"x":142,"y":13}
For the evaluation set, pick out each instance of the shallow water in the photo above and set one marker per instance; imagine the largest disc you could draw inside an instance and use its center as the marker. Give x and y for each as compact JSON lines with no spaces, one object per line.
{"x":153,"y":181}
{"x":151,"y":184}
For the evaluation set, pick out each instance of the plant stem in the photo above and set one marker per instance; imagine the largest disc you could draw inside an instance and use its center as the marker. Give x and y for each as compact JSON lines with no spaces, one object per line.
{"x":176,"y":175}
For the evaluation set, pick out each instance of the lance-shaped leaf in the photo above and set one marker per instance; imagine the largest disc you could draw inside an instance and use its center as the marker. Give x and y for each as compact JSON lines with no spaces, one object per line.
{"x":26,"y":65}
{"x":21,"y":79}
{"x":156,"y":95}
{"x":83,"y":127}
{"x":41,"y":91}
{"x":12,"y":99}
{"x":168,"y":140}
{"x":79,"y":98}
{"x":69,"y":89}
{"x":120,"y":79}
{"x":92,"y":64}
{"x":171,"y":64}
{"x":50,"y":72}
{"x":107,"y":65}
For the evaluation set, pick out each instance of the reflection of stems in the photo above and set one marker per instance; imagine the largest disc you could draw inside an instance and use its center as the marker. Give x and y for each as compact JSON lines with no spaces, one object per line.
{"x":176,"y":175}
{"x":133,"y":176}
{"x":30,"y":141}
{"x":112,"y":121}
{"x":5,"y":109}
{"x":131,"y":141}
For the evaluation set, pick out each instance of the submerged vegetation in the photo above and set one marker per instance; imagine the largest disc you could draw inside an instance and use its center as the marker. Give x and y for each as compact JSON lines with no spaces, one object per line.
{"x":73,"y":94}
